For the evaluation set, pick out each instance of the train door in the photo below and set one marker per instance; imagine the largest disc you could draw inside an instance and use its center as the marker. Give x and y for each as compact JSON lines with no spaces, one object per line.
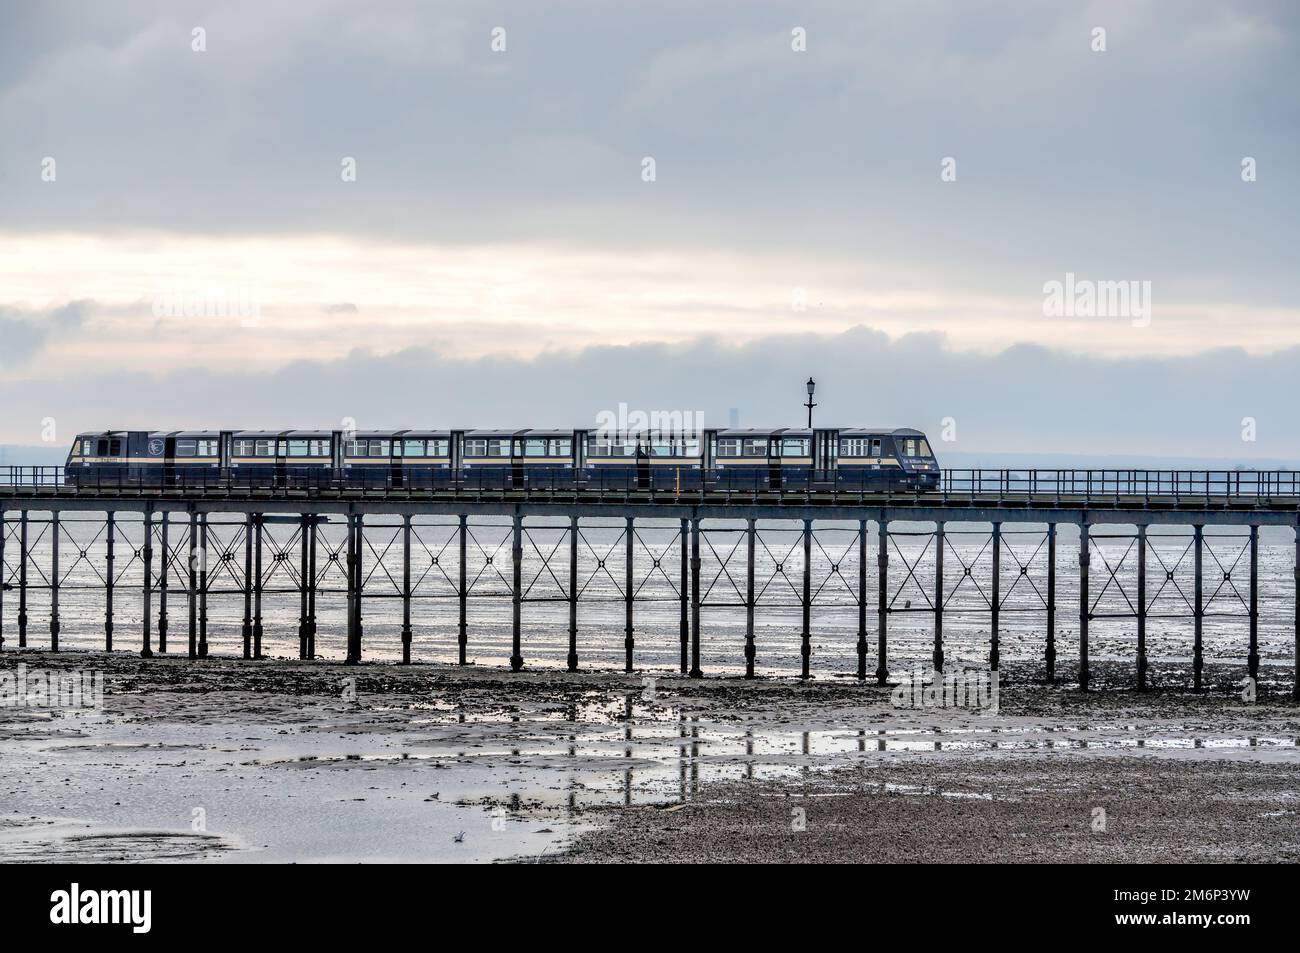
{"x":281,"y":462}
{"x":826,"y":447}
{"x":336,"y":458}
{"x":517,"y":463}
{"x":397,"y":469}
{"x":579,"y":457}
{"x":456,"y":457}
{"x":225,"y":445}
{"x":642,"y":466}
{"x":774,"y":463}
{"x":169,"y":463}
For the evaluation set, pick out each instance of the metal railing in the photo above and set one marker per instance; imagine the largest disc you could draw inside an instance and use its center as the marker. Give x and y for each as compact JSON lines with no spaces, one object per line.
{"x":1015,"y":485}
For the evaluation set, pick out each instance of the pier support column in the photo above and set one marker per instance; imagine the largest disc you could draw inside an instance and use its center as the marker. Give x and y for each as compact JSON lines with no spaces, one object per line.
{"x":882,"y":602}
{"x":805,"y":646}
{"x":628,"y":593}
{"x":194,"y":584}
{"x":247,"y":630}
{"x":3,"y":533}
{"x":110,"y":542}
{"x":1252,"y":658}
{"x":462,"y":634}
{"x":304,"y":535}
{"x":164,"y":569}
{"x":203,"y":585}
{"x":516,"y":622}
{"x":1049,"y":654}
{"x":349,"y":570}
{"x":573,"y":593}
{"x":54,"y":581}
{"x":313,"y":526}
{"x":258,"y":522}
{"x":750,"y":650}
{"x":406,"y":590}
{"x":1083,"y":606}
{"x":862,"y":600}
{"x":938,"y":596}
{"x":146,"y":649}
{"x":684,"y":591}
{"x":1295,"y":658}
{"x":696,"y":671}
{"x":995,"y":603}
{"x":1198,"y":609}
{"x":1142,"y":609}
{"x":22,"y":579}
{"x":358,"y":587}
{"x":352,"y":656}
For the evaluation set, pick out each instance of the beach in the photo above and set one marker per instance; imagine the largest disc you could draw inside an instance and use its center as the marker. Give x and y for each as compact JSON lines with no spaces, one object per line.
{"x":222,"y":760}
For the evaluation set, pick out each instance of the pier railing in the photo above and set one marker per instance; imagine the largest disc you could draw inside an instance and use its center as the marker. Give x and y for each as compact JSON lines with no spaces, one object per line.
{"x":672,"y":484}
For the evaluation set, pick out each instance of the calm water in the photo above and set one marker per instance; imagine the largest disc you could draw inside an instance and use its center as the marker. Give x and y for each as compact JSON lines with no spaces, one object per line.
{"x":779,"y":562}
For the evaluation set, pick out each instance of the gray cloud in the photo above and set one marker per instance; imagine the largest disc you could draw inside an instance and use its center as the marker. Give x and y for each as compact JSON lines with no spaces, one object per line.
{"x":1022,"y":400}
{"x":1123,"y":164}
{"x":25,"y":332}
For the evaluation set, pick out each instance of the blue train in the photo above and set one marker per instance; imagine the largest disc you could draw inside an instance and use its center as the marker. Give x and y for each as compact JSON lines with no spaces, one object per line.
{"x":789,"y":458}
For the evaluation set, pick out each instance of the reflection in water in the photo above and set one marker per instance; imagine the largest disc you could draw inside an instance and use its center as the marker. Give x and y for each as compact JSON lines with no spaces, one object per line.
{"x":655,"y":753}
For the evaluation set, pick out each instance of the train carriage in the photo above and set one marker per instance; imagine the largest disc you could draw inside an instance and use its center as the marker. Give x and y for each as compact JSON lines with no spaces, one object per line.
{"x":660,"y":460}
{"x":281,"y":458}
{"x":726,"y":459}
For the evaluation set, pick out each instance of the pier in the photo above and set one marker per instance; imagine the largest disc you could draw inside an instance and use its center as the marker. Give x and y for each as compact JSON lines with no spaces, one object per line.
{"x":262,"y":536}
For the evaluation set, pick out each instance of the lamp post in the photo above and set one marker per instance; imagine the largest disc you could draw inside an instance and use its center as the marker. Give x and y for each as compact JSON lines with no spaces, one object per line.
{"x":812,"y":386}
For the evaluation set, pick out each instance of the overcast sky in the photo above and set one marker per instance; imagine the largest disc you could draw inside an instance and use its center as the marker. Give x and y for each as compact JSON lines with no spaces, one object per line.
{"x":181,"y":243}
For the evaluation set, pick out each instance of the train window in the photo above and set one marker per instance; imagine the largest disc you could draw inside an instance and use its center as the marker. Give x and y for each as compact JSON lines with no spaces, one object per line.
{"x":689,"y":447}
{"x":187,"y":448}
{"x":205,"y":448}
{"x":115,"y":448}
{"x":437,"y":447}
{"x":379,"y":448}
{"x":875,"y":447}
{"x":754,"y":447}
{"x":319,"y":448}
{"x":925,"y":448}
{"x":412,"y":448}
{"x":262,"y":448}
{"x":299,"y":448}
{"x":561,"y":447}
{"x":534,"y":447}
{"x":87,"y":447}
{"x":476,"y":448}
{"x":498,"y":448}
{"x":243,"y":448}
{"x":354,"y":448}
{"x":794,"y":447}
{"x":909,"y":447}
{"x":855,"y":447}
{"x":729,"y":447}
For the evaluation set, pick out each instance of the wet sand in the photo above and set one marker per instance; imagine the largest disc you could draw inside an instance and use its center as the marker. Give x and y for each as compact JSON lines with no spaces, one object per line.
{"x":221,"y":760}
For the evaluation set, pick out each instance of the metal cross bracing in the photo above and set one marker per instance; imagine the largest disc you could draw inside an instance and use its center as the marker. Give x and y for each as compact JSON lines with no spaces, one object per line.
{"x":1149,"y":576}
{"x":693,"y":587}
{"x":784,"y":568}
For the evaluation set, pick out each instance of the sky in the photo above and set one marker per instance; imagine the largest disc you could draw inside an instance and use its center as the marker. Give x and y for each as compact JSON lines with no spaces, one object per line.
{"x":1031,"y":227}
